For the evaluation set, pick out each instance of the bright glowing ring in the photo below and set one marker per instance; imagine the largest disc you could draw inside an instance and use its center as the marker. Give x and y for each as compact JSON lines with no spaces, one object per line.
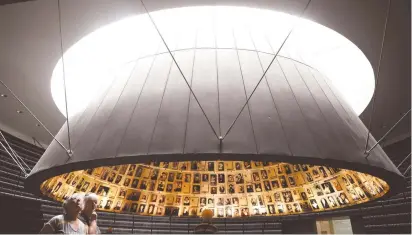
{"x":93,"y":62}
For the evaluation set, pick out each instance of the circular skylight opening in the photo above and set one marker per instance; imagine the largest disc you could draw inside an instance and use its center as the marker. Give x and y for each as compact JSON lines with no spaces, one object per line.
{"x":93,"y":62}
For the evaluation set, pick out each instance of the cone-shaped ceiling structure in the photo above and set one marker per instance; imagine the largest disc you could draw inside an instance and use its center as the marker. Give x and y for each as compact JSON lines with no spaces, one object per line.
{"x":145,"y":146}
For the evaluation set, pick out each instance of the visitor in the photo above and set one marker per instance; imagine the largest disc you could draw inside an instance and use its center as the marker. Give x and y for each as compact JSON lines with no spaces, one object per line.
{"x":88,"y":215}
{"x":68,"y":223}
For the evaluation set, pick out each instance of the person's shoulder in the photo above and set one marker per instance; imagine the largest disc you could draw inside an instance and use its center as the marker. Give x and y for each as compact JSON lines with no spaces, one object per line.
{"x":57,"y":218}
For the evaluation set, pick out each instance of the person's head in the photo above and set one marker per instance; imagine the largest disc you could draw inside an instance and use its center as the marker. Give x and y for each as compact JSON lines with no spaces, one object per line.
{"x":73,"y":205}
{"x":90,"y":203}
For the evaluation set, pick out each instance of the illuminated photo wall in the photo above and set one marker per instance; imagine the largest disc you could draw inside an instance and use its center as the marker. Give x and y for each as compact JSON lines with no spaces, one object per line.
{"x":228,"y":188}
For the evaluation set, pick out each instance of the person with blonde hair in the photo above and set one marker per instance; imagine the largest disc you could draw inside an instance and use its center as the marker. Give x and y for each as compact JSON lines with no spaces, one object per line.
{"x":68,"y":223}
{"x":88,"y":214}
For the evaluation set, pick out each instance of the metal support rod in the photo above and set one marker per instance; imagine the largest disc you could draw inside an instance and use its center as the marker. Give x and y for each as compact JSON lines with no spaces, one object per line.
{"x":407,"y":169}
{"x":32,"y":114}
{"x":64,"y":77}
{"x":377,"y":75}
{"x":267,"y":69}
{"x":387,"y":133}
{"x":400,"y":164}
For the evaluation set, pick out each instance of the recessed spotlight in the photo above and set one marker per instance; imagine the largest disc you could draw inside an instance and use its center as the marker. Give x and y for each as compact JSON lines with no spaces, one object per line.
{"x":19,"y":111}
{"x":37,"y":124}
{"x":3,"y":95}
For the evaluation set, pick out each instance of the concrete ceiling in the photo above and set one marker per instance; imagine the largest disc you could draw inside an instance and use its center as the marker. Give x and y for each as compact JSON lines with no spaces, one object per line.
{"x":30,"y":48}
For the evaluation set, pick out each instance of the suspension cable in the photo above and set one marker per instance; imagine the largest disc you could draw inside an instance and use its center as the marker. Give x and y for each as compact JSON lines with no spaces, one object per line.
{"x":18,"y":164}
{"x":377,"y":76}
{"x":180,"y":70}
{"x":267,"y":69}
{"x":387,"y":133}
{"x":400,"y":164}
{"x":64,"y":77}
{"x":13,"y":152}
{"x":407,"y":170}
{"x":32,"y":114}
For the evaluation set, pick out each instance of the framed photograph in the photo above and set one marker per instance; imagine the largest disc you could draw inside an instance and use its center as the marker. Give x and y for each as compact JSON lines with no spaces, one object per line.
{"x":155,"y":174}
{"x":220,"y":201}
{"x":151,"y":209}
{"x":238,"y":166}
{"x":258,"y":187}
{"x":123,"y":169}
{"x":196,"y":189}
{"x":169,"y":188}
{"x":211,"y":166}
{"x":213,"y":190}
{"x":210,"y":202}
{"x":229,"y":212}
{"x":135,"y":182}
{"x":271,"y":209}
{"x":205,"y":177}
{"x":213,"y":179}
{"x":324,"y":203}
{"x":239,"y":178}
{"x":287,"y":169}
{"x":221,"y":178}
{"x":142,"y":208}
{"x":196,"y":178}
{"x":247,"y":165}
{"x":111,"y":177}
{"x":133,"y":208}
{"x":256,"y":176}
{"x":186,"y":201}
{"x":283,"y":182}
{"x":194,"y":165}
{"x":160,"y":210}
{"x":183,"y":166}
{"x":328,"y":188}
{"x":220,"y":212}
{"x":222,"y":189}
{"x":267,"y":186}
{"x":314,"y":204}
{"x":185,"y":211}
{"x":163,"y":176}
{"x":292,"y":181}
{"x":244,"y":212}
{"x":231,"y":189}
{"x":240,"y":188}
{"x":220,"y":166}
{"x":249,"y":188}
{"x":131,"y":170}
{"x":178,"y":186}
{"x":275,"y":184}
{"x":202,"y":201}
{"x":188,"y":178}
{"x":127,"y":182}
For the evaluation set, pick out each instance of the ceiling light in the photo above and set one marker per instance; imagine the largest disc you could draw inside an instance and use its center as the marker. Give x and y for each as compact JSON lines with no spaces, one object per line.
{"x":19,"y":111}
{"x":3,"y":95}
{"x":92,"y":62}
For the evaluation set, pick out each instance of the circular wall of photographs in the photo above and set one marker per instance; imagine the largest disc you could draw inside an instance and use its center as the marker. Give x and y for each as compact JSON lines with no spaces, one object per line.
{"x":228,"y":188}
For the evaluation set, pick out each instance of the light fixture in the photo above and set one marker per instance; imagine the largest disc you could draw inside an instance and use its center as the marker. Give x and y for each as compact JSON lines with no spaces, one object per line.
{"x":19,"y":111}
{"x":3,"y":95}
{"x":149,"y":145}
